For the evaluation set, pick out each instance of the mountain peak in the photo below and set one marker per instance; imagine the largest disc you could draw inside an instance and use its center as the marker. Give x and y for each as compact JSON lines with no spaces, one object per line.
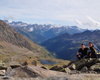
{"x":2,"y":22}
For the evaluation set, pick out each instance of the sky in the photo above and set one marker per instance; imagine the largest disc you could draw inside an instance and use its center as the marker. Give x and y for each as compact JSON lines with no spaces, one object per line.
{"x":81,"y":13}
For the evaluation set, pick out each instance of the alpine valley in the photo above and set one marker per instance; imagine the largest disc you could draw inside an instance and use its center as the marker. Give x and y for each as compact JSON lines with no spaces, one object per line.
{"x":62,"y":41}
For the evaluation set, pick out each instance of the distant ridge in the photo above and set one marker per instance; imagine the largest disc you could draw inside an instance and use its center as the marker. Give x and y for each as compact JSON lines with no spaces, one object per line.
{"x":65,"y":46}
{"x":40,"y":33}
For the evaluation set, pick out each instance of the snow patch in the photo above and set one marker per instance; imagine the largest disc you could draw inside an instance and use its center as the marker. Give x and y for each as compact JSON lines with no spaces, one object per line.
{"x":31,"y":29}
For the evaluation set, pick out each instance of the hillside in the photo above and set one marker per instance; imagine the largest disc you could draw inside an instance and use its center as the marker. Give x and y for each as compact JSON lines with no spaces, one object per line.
{"x":16,"y":47}
{"x":40,"y":33}
{"x":65,"y":46}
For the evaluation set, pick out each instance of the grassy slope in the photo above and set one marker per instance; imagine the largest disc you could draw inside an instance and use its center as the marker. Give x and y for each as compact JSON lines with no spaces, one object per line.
{"x":15,"y":47}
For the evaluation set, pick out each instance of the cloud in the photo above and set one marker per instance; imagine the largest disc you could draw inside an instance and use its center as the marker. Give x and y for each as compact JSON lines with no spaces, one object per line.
{"x":89,"y":23}
{"x":94,"y":22}
{"x":52,"y":10}
{"x":79,"y":22}
{"x":9,"y":18}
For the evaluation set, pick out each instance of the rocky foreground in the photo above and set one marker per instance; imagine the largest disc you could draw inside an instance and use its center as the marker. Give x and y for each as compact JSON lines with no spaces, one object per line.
{"x":85,"y":69}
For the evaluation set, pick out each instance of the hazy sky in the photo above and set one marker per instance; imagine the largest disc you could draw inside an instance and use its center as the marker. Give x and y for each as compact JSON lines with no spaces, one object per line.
{"x":83,"y":13}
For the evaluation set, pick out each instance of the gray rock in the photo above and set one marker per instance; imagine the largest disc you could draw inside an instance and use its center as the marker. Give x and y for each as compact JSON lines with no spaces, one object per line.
{"x":56,"y":68}
{"x":67,"y":70}
{"x":5,"y":77}
{"x":72,"y":66}
{"x":2,"y":72}
{"x":44,"y":67}
{"x":84,"y":69}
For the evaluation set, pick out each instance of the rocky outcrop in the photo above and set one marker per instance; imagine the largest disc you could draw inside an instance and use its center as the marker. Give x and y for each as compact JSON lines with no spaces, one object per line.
{"x":38,"y":73}
{"x":22,"y":72}
{"x":80,"y":66}
{"x":91,"y":65}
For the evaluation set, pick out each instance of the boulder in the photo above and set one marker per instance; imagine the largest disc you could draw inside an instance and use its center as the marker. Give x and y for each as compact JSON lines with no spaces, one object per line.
{"x":22,"y":72}
{"x":72,"y":67}
{"x":5,"y":77}
{"x":95,"y":67}
{"x":86,"y":62}
{"x":15,"y":66}
{"x":44,"y":67}
{"x":3,"y":68}
{"x":2,"y":72}
{"x":67,"y":70}
{"x":84,"y":69}
{"x":56,"y":68}
{"x":46,"y":73}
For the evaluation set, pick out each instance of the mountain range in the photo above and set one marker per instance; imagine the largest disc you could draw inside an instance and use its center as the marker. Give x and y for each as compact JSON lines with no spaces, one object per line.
{"x":40,"y":33}
{"x":62,"y":41}
{"x":65,"y":46}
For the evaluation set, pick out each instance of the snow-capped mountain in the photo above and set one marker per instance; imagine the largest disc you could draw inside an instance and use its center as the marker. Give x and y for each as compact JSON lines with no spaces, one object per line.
{"x":41,"y":33}
{"x":16,"y":24}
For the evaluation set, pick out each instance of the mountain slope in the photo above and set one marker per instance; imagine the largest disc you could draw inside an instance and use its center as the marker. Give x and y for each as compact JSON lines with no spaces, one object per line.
{"x":15,"y":45}
{"x":41,"y":33}
{"x":65,"y":46}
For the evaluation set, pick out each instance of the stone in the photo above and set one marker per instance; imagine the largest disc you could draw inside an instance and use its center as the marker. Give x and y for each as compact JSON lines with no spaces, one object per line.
{"x":72,"y":67}
{"x":95,"y":67}
{"x":22,"y":72}
{"x":2,"y":72}
{"x":46,"y":73}
{"x":56,"y":68}
{"x":3,"y":68}
{"x":44,"y":67}
{"x":15,"y":66}
{"x":84,"y":69}
{"x":67,"y":70}
{"x":5,"y":77}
